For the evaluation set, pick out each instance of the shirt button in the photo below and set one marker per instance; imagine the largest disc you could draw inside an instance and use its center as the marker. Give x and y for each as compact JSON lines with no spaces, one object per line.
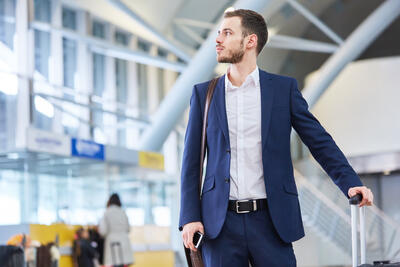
{"x":226,"y":180}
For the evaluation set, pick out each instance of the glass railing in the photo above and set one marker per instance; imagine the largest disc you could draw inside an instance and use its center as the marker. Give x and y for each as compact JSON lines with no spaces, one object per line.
{"x":326,"y":211}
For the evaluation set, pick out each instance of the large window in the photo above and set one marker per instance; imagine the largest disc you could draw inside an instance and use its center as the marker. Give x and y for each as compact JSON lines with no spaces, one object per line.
{"x":121,"y":79}
{"x":98,"y":89}
{"x":42,"y":10}
{"x":7,"y":22}
{"x":42,"y":52}
{"x":69,"y":21}
{"x":69,"y":48}
{"x":99,"y":74}
{"x":121,"y":74}
{"x":69,"y":58}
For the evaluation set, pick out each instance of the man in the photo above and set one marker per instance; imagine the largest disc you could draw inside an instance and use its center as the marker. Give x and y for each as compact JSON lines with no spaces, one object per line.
{"x":249,"y":209}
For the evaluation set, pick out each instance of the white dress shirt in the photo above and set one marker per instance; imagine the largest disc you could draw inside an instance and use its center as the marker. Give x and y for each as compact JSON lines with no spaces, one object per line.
{"x":243,"y":109}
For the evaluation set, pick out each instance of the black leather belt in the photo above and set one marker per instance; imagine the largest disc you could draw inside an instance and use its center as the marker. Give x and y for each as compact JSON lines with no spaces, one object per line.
{"x":245,"y":206}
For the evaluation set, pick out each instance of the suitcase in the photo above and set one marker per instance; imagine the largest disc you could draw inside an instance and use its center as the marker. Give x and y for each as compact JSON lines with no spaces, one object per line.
{"x":354,"y":201}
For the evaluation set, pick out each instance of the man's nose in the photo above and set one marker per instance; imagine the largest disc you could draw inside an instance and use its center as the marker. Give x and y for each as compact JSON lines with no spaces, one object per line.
{"x":218,"y":39}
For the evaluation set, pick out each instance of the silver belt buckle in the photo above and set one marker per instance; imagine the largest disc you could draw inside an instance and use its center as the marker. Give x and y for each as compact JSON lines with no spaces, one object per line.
{"x":245,"y":211}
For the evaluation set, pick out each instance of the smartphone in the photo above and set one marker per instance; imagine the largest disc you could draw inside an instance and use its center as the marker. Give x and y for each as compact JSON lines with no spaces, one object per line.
{"x":197,"y":239}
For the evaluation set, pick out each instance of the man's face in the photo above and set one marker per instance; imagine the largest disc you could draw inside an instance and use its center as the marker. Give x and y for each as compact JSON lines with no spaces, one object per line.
{"x":230,"y":42}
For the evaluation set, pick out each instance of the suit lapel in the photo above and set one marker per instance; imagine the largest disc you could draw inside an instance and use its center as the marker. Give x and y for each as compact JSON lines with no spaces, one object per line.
{"x":220,"y":107}
{"x":267,"y":96}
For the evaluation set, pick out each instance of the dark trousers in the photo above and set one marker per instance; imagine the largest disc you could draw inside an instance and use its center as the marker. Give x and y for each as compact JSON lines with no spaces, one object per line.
{"x":248,"y":237}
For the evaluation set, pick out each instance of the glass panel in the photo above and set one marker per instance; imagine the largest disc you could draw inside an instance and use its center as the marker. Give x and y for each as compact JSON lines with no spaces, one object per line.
{"x":160,"y":76}
{"x":69,"y":59}
{"x":8,"y":108}
{"x":42,"y":10}
{"x":121,"y":38}
{"x":99,"y":29}
{"x":98,"y":89}
{"x":7,"y":22}
{"x":121,"y":74}
{"x":143,"y":45}
{"x":42,"y":52}
{"x":69,"y":18}
{"x":10,"y":203}
{"x":142,"y":83}
{"x":43,"y":113}
{"x":75,"y":191}
{"x":98,"y":74}
{"x":161,"y":52}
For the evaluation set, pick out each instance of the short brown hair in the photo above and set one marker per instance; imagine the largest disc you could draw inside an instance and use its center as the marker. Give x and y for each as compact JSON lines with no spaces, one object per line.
{"x":252,"y":23}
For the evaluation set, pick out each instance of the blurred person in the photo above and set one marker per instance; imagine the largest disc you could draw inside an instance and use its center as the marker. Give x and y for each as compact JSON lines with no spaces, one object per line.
{"x":84,"y":253}
{"x":114,"y":226}
{"x":249,"y":209}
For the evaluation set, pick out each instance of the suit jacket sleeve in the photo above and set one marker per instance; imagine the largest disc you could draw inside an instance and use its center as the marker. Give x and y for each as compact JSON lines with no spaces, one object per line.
{"x":320,"y":143}
{"x":190,"y":201}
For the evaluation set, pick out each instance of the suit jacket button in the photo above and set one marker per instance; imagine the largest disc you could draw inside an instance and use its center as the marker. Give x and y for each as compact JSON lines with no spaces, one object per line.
{"x":228,"y":151}
{"x":226,"y":180}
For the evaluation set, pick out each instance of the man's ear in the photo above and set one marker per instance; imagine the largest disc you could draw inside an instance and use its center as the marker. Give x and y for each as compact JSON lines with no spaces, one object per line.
{"x":252,"y":41}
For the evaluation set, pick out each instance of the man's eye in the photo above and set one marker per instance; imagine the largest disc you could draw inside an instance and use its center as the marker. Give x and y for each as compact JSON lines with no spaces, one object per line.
{"x":227,"y":33}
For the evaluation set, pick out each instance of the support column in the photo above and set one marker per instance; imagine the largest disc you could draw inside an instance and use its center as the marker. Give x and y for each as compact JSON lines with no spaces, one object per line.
{"x":24,"y":50}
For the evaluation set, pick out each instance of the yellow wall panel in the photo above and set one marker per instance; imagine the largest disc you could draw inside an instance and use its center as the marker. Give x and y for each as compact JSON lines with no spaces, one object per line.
{"x":154,"y":259}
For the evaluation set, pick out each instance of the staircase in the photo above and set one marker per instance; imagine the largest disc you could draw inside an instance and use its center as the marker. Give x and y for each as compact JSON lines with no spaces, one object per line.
{"x":326,"y":212}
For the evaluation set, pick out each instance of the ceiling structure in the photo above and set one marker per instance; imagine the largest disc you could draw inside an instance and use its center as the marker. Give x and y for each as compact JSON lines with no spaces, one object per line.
{"x":304,"y":34}
{"x":186,"y":23}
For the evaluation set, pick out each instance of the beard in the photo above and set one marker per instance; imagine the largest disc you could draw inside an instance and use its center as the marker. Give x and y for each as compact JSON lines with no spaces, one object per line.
{"x":236,"y":56}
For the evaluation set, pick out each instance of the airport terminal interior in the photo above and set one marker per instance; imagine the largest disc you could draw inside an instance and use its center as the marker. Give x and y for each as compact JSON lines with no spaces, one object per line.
{"x":94,"y":100}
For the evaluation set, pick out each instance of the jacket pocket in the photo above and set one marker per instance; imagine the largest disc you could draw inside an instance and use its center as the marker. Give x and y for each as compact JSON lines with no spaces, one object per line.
{"x":209,"y":183}
{"x":290,"y":188}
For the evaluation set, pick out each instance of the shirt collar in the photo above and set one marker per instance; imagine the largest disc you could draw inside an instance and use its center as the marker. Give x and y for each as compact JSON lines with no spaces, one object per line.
{"x":253,"y":77}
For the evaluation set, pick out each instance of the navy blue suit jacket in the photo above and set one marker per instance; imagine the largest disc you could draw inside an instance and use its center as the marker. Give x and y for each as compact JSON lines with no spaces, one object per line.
{"x":282,"y":107}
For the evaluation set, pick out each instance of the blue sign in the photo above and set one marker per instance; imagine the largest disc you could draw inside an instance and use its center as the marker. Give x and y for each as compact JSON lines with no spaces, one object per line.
{"x":87,"y":149}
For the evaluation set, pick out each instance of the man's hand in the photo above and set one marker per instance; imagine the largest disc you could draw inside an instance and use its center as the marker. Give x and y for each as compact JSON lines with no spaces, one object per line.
{"x":367,"y":196}
{"x":188,"y":232}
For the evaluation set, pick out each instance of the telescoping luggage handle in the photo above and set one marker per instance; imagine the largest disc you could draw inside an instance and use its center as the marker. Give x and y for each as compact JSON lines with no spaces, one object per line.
{"x":354,"y":201}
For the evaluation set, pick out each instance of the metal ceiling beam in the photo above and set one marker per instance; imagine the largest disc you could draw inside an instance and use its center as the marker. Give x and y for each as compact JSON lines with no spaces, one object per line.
{"x":194,"y":23}
{"x":199,"y":69}
{"x":163,"y":41}
{"x":316,"y":21}
{"x":275,"y":41}
{"x":354,"y":45}
{"x":294,"y":43}
{"x":189,"y":32}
